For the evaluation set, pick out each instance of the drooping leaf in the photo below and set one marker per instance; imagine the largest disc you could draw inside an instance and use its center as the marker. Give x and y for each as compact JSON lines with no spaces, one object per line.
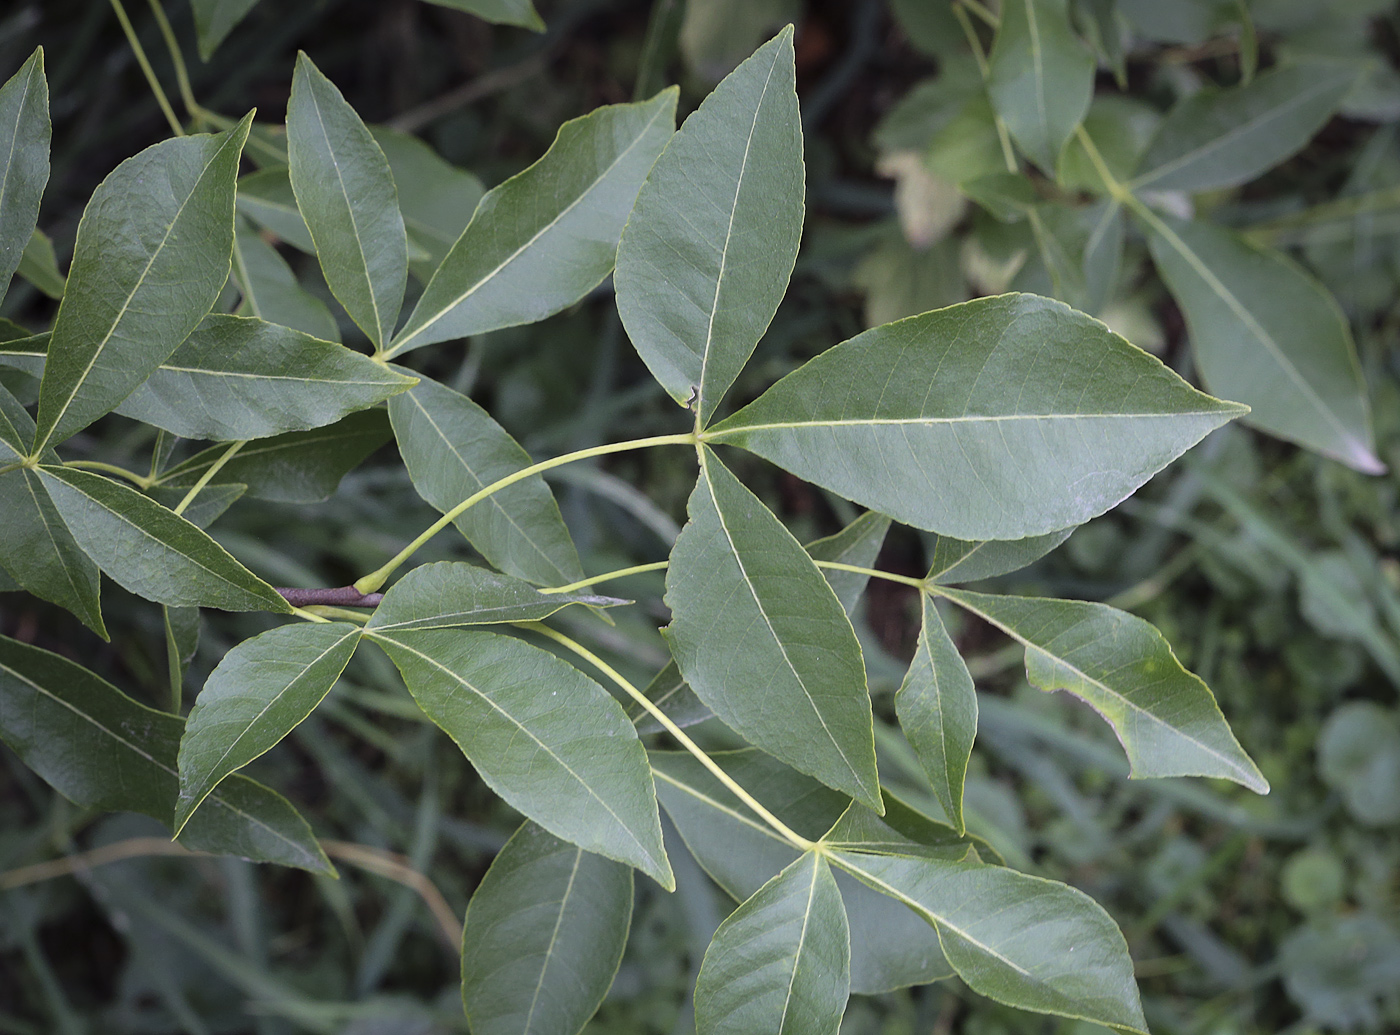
{"x":762,"y":639}
{"x":857,"y":544}
{"x":266,"y":197}
{"x":151,"y":257}
{"x":781,"y":962}
{"x":237,"y":377}
{"x":1166,"y":718}
{"x":1021,"y":940}
{"x":1266,"y":333}
{"x":215,"y":19}
{"x":24,"y":159}
{"x":708,"y":252}
{"x":544,"y":936}
{"x":956,"y":560}
{"x":39,"y":265}
{"x":436,"y":197}
{"x":546,"y":738}
{"x":271,"y":292}
{"x":261,"y":690}
{"x":150,"y":550}
{"x":447,"y":594}
{"x":346,"y":194}
{"x":937,"y":708}
{"x":1222,"y":138}
{"x":998,"y":418}
{"x":503,"y":12}
{"x":102,"y":750}
{"x":1041,"y":77}
{"x":298,"y":467}
{"x":543,"y":239}
{"x":453,"y":449}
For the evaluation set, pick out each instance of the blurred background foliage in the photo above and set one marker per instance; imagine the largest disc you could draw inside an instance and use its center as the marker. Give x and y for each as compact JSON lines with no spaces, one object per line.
{"x":1273,"y":572}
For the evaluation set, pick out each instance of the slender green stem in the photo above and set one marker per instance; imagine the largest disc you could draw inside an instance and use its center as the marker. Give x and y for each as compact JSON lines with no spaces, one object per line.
{"x":788,"y":834}
{"x":7,"y":468}
{"x":140,"y":481}
{"x":208,"y":475}
{"x":337,"y":614}
{"x":970,"y":31}
{"x":960,"y":9}
{"x":888,"y":576}
{"x":608,"y":576}
{"x":1112,"y":184}
{"x":308,"y":614}
{"x":371,"y":582}
{"x":981,"y":12}
{"x":182,"y":74}
{"x":146,"y":68}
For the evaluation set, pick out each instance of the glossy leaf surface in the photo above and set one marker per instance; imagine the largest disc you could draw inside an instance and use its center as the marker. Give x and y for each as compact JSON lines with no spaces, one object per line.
{"x":24,"y":159}
{"x":151,"y":257}
{"x":781,"y":962}
{"x":446,"y":594}
{"x":546,"y":738}
{"x":152,"y":551}
{"x":543,"y":239}
{"x":762,"y":639}
{"x":544,"y":936}
{"x":453,"y":449}
{"x":1166,"y":718}
{"x":708,"y":252}
{"x":257,"y":694}
{"x":999,"y":418}
{"x":347,"y":196}
{"x":1265,"y":332}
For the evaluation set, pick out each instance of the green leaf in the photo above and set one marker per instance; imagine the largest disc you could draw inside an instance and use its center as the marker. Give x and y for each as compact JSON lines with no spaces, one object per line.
{"x":266,"y":197}
{"x":151,"y":257}
{"x":182,"y":629}
{"x":709,"y":250}
{"x":215,"y":19}
{"x":237,"y":377}
{"x":503,"y":12}
{"x":937,"y":708}
{"x":271,"y":292}
{"x":781,"y":962}
{"x":347,"y":196}
{"x":546,"y":738}
{"x":1041,"y":77}
{"x":672,"y":694}
{"x":956,"y":560}
{"x":299,"y":467}
{"x":1222,"y":138}
{"x":102,"y":750}
{"x":1020,"y":940}
{"x":998,"y":418}
{"x":860,"y":830}
{"x":150,"y":550}
{"x":436,"y":197}
{"x":39,"y":266}
{"x":261,"y":690}
{"x":452,"y":593}
{"x":763,"y":640}
{"x":546,"y":237}
{"x":453,"y":449}
{"x":208,"y":506}
{"x":857,"y":544}
{"x":1266,"y":333}
{"x":24,"y":159}
{"x":544,"y":937}
{"x":1121,"y":666}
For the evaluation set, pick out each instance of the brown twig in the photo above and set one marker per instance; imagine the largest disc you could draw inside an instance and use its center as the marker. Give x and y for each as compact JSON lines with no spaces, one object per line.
{"x":397,"y":868}
{"x":459,"y":97}
{"x":341,"y":596}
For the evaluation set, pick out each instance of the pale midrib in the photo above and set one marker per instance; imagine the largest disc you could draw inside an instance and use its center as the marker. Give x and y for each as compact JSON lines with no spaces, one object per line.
{"x":457,"y":619}
{"x":1038,"y":64}
{"x":553,"y":940}
{"x":801,"y":943}
{"x":14,"y":141}
{"x":49,"y":532}
{"x":729,"y":237}
{"x":257,"y":376}
{"x":404,"y":342}
{"x":523,"y":729}
{"x":722,"y":433}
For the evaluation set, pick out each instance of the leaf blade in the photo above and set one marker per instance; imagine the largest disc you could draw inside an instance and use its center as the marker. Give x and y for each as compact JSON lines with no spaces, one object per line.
{"x":447,"y":594}
{"x":24,"y":160}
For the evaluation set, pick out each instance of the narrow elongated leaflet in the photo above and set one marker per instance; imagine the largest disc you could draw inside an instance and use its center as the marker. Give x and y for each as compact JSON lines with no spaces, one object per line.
{"x":437,"y":198}
{"x":1222,"y":138}
{"x":453,"y":448}
{"x":998,"y":418}
{"x":1263,"y":331}
{"x":503,"y":12}
{"x":270,"y":289}
{"x":258,"y":693}
{"x":543,"y":239}
{"x":215,"y":19}
{"x":956,"y":560}
{"x":347,"y":196}
{"x":150,"y":550}
{"x":1166,"y":718}
{"x":544,"y":936}
{"x":24,"y":159}
{"x":860,"y":830}
{"x":151,"y":257}
{"x":102,"y":750}
{"x":857,"y":544}
{"x":266,"y":197}
{"x":1041,"y":77}
{"x":937,"y":708}
{"x":452,"y":593}
{"x":709,"y":249}
{"x":781,"y":962}
{"x":237,"y":377}
{"x":1021,"y":940}
{"x":39,"y":265}
{"x":762,"y":639}
{"x":546,"y":738}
